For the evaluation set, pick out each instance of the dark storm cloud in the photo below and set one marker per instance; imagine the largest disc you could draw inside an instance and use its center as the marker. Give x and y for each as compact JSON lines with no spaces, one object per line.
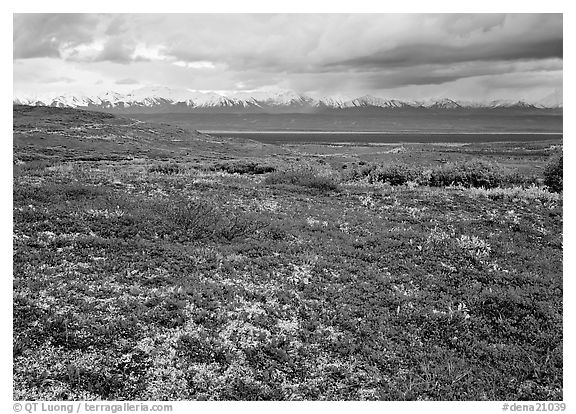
{"x":437,"y":73}
{"x":116,"y":50}
{"x":358,"y":43}
{"x":418,"y":54}
{"x":461,"y":39}
{"x":43,"y":35}
{"x":68,"y":36}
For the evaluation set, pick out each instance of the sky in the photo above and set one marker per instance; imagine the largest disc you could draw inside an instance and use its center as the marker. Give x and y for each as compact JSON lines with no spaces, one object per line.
{"x":403,"y":56}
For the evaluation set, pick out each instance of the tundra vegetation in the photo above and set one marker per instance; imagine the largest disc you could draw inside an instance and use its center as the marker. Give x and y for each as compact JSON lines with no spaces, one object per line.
{"x":156,"y":263}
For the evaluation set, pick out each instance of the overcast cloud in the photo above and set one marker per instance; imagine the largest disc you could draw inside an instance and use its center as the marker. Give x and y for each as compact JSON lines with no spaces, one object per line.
{"x":411,"y":56}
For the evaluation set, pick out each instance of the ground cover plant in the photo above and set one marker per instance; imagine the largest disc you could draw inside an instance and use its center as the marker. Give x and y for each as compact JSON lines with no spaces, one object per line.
{"x":135,"y":279}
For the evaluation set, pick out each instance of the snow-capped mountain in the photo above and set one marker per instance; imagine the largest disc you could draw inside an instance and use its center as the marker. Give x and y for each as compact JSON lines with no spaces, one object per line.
{"x":443,"y":103}
{"x":372,"y":101}
{"x":286,"y":98}
{"x":332,"y":101}
{"x":66,"y":100}
{"x":163,"y":99}
{"x":513,"y":104}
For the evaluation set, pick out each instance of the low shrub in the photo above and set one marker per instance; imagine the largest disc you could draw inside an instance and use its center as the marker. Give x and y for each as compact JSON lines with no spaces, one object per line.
{"x":199,"y":220}
{"x":56,"y":193}
{"x":169,"y":169}
{"x":467,"y":174}
{"x":532,"y":192}
{"x":243,"y":167}
{"x":393,"y":174}
{"x":178,"y":219}
{"x":553,"y":173}
{"x":471,"y":174}
{"x":303,"y":176}
{"x":359,"y":173}
{"x":516,"y":178}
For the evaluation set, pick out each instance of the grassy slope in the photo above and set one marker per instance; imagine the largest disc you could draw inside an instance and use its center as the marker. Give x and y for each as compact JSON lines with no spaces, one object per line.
{"x":202,"y":285}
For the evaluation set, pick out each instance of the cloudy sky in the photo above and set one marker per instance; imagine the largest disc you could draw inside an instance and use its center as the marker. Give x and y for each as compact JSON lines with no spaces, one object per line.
{"x":412,"y":56}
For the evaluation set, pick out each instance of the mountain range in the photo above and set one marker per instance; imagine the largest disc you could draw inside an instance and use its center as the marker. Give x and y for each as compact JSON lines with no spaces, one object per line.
{"x":167,"y":100}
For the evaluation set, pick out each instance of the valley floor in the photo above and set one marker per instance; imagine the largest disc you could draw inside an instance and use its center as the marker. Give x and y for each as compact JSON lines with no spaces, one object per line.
{"x":149,"y":279}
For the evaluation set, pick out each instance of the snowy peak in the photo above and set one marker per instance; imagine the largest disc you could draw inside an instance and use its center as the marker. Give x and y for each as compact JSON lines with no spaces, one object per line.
{"x":513,"y":104}
{"x":443,"y":103}
{"x":66,"y":100}
{"x":369,"y":100}
{"x":287,"y":98}
{"x":332,"y":101}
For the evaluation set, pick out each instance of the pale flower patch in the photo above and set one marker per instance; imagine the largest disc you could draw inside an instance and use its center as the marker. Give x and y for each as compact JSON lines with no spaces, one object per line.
{"x":312,"y":222}
{"x":234,"y":257}
{"x":248,"y":309}
{"x":395,"y":205}
{"x":332,"y":333}
{"x":157,"y":192}
{"x":474,"y":245}
{"x":267,"y":205}
{"x":438,"y":235}
{"x":416,"y":212}
{"x":512,"y":216}
{"x":412,"y":184}
{"x":461,"y":312}
{"x":28,"y":207}
{"x":62,"y":168}
{"x":344,"y":227}
{"x":242,"y":334}
{"x":495,"y":267}
{"x":19,"y":237}
{"x":540,"y":229}
{"x":47,"y":235}
{"x":290,"y":326}
{"x":44,"y":238}
{"x":367,"y":201}
{"x":449,"y":267}
{"x":295,"y":240}
{"x":492,"y":215}
{"x":301,"y":274}
{"x":116,"y":213}
{"x":406,"y":289}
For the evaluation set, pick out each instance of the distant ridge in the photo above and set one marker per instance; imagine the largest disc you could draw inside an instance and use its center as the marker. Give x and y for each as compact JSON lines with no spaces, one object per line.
{"x":163,"y":99}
